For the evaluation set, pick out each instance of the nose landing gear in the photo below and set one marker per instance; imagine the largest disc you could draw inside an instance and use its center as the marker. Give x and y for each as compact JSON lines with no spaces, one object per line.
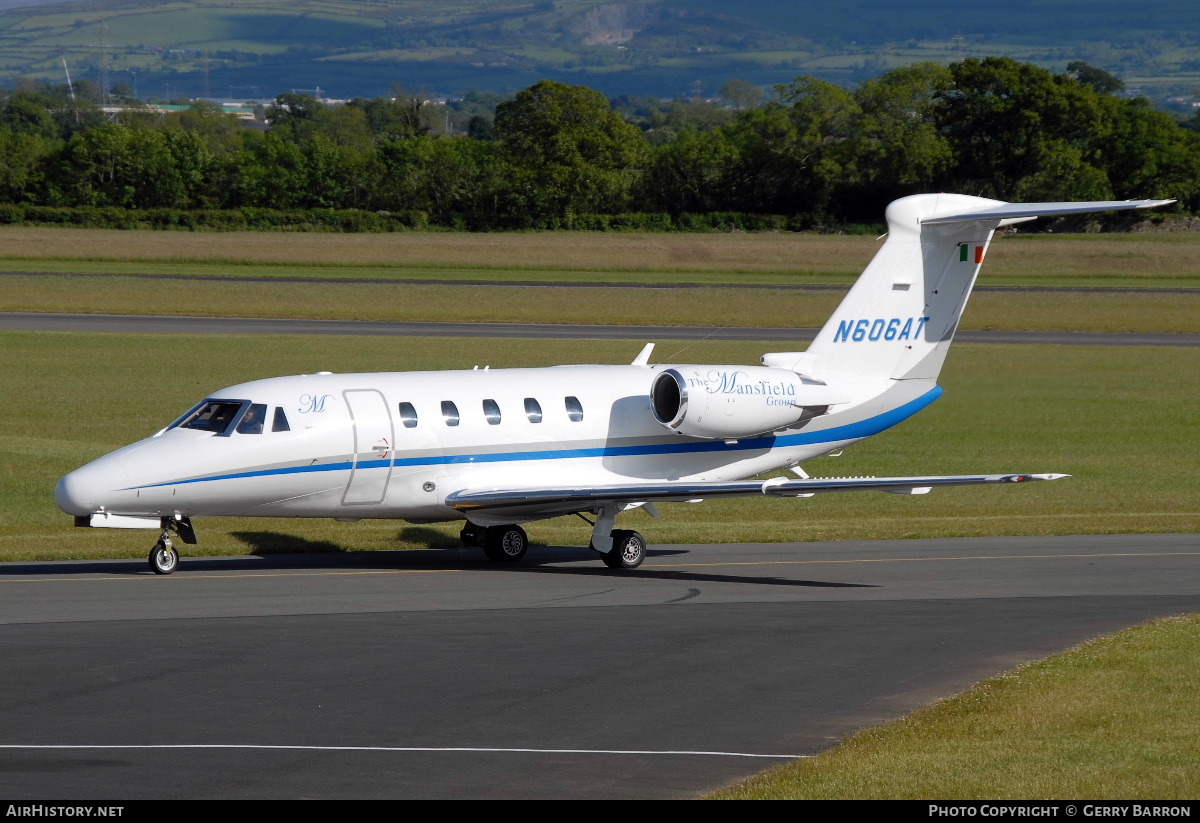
{"x":163,"y":558}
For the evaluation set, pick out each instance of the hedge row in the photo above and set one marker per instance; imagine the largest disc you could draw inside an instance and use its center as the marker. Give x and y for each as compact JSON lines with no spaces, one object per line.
{"x":337,"y":220}
{"x":357,"y":220}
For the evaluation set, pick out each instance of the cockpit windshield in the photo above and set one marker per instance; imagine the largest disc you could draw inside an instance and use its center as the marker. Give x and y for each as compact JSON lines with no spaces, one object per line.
{"x":213,"y":416}
{"x":252,"y":421}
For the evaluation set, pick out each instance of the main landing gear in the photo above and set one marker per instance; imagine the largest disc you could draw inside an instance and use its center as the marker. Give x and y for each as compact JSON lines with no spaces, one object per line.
{"x":503,"y":544}
{"x":507,"y":544}
{"x":628,"y":550}
{"x":163,"y":558}
{"x":618,"y":548}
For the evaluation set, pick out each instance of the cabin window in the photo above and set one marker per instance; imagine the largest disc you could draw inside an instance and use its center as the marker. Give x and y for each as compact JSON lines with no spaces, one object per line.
{"x":280,"y":423}
{"x":408,"y":415}
{"x":213,"y":416}
{"x":574,"y":409}
{"x":533,"y":410}
{"x":491,"y":412}
{"x":449,"y":413}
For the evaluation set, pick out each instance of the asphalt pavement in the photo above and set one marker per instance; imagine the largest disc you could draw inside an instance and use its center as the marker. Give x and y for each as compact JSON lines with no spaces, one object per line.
{"x":435,"y":674}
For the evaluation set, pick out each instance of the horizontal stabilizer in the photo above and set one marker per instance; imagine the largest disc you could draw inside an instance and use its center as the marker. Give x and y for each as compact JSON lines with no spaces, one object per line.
{"x":567,"y":499}
{"x":1012,"y":211}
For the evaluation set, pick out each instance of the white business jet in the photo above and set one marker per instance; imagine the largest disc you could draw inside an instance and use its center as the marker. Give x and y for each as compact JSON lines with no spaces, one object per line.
{"x":496,"y":448}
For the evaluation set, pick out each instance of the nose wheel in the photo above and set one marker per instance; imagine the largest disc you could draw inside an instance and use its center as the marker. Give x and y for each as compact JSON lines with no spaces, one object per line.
{"x":164,"y":559}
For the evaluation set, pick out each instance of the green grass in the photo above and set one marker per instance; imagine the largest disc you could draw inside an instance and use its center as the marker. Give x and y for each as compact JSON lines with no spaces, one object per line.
{"x":1121,"y":420}
{"x":1114,"y":718}
{"x":1097,"y":312}
{"x":1128,"y":261}
{"x":1164,"y":260}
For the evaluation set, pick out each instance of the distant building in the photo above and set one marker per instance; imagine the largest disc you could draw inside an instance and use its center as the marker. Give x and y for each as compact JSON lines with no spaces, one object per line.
{"x":238,"y":110}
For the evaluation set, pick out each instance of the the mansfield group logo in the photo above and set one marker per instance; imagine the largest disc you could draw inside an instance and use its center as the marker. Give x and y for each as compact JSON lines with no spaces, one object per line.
{"x":721,"y":381}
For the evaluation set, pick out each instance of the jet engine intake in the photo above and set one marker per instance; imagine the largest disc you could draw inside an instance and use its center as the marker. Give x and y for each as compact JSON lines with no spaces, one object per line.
{"x":730,"y":402}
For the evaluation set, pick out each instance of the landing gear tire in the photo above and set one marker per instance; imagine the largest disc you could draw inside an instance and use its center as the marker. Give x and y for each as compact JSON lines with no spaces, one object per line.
{"x":472,"y":535}
{"x":163,"y":558}
{"x":628,"y":551}
{"x":505,"y":544}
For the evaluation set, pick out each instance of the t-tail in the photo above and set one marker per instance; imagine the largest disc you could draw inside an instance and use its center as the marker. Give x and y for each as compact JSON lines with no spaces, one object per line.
{"x":899,"y":318}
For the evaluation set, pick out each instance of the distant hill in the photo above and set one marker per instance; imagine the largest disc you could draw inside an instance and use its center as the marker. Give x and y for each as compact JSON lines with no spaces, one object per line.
{"x":5,"y":5}
{"x":258,"y":48}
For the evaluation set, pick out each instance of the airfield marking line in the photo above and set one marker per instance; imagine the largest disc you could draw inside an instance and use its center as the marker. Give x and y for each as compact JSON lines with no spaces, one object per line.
{"x":435,"y":749}
{"x":127,"y":578}
{"x":923,"y":559}
{"x":224,"y":576}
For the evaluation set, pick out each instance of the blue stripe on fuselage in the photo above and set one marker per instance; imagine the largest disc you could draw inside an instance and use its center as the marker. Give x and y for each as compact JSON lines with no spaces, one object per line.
{"x":850,"y":431}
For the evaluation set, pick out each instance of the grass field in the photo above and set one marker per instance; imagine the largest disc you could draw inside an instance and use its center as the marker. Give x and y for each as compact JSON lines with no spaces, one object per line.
{"x":1092,"y":412}
{"x":1120,"y":420}
{"x":1146,"y":262}
{"x":1030,"y":311}
{"x":1112,"y":719}
{"x":1087,"y":260}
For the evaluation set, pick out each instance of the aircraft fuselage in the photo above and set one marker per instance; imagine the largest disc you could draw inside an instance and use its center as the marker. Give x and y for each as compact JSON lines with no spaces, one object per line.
{"x":393,"y":445}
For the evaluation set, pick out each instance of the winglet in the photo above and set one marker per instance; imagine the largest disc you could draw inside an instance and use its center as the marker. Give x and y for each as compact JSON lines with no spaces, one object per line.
{"x":643,"y":358}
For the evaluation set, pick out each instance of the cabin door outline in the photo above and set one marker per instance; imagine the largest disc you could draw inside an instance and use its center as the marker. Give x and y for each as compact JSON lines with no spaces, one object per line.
{"x":374,"y":447}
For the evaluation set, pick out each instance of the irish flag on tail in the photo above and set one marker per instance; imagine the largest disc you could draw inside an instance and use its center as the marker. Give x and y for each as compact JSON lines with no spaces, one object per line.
{"x":964,"y":253}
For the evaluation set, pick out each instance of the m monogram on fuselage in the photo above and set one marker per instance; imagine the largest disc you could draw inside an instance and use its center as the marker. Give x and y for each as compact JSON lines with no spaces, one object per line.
{"x":313,"y":403}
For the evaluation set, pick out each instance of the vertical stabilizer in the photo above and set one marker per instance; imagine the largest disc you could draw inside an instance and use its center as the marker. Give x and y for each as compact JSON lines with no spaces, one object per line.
{"x":899,"y":318}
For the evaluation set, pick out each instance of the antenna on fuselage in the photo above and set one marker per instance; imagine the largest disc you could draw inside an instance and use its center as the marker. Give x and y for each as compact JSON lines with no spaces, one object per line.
{"x":643,"y":357}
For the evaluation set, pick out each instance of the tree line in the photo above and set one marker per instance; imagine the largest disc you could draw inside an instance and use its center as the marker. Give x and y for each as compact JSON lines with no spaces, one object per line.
{"x":557,"y":155}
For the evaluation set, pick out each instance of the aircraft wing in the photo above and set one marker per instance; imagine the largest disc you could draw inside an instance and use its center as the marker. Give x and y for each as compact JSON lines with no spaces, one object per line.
{"x":567,"y":499}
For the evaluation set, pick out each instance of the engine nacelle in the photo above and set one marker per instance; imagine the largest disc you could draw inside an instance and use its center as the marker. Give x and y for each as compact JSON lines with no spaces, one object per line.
{"x":730,"y":402}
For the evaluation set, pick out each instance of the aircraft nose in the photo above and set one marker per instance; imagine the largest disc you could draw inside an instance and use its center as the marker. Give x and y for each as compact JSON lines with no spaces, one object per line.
{"x":84,"y":490}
